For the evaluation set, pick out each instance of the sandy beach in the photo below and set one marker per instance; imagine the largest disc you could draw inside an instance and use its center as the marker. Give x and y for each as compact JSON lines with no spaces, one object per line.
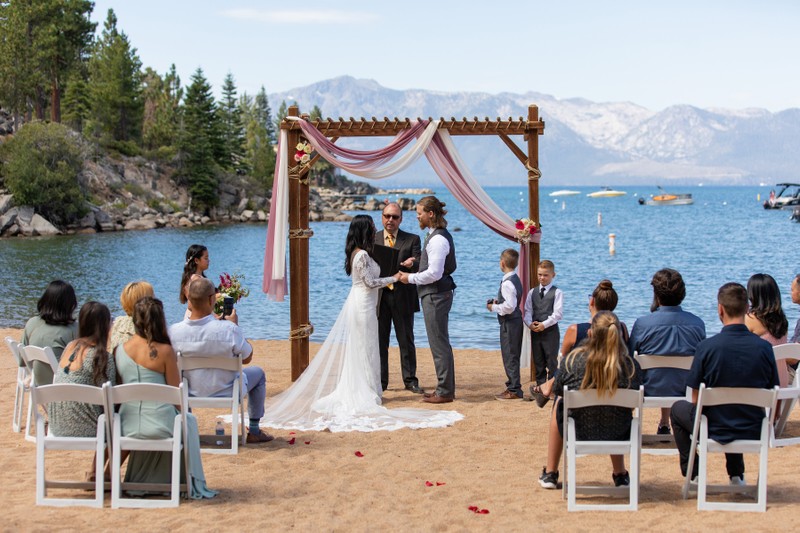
{"x":491,"y":460}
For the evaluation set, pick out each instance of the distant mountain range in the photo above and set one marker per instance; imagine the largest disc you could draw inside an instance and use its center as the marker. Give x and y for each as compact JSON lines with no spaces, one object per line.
{"x":585,"y":143}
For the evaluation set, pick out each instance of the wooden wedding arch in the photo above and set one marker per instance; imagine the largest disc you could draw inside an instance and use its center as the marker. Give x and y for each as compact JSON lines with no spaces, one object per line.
{"x":299,"y":232}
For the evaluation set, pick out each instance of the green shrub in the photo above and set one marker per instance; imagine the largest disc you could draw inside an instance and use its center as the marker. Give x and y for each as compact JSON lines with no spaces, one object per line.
{"x":41,"y":166}
{"x":153,"y":203}
{"x":128,"y":148}
{"x":134,"y":188}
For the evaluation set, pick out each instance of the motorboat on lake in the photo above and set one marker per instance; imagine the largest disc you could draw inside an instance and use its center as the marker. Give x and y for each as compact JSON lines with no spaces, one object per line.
{"x":606,"y":192}
{"x":564,"y":192}
{"x":666,"y":198}
{"x":788,"y":196}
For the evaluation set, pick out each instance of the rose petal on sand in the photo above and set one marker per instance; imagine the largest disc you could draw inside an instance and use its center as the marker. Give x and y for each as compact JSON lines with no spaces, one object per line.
{"x":484,"y":511}
{"x":359,"y":454}
{"x":291,"y":433}
{"x":428,"y":484}
{"x":308,"y":442}
{"x":291,"y":441}
{"x":440,"y":483}
{"x":473,"y":508}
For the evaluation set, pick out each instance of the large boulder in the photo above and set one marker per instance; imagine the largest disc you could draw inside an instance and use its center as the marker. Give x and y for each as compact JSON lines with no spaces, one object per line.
{"x":8,"y":219}
{"x":40,"y":226}
{"x":140,"y":223}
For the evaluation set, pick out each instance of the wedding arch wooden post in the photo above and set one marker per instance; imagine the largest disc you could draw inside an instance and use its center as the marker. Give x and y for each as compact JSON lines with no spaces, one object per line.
{"x":299,"y":232}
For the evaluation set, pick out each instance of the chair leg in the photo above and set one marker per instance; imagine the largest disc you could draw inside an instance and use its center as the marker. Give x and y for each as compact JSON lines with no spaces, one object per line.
{"x":19,"y":404}
{"x":29,"y":423}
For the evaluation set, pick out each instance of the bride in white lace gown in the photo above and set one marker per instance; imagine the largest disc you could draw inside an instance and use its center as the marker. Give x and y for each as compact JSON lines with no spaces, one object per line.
{"x":341,"y":388}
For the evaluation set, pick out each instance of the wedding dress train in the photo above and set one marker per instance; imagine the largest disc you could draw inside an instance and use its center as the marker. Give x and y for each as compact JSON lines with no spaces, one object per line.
{"x":341,"y":388}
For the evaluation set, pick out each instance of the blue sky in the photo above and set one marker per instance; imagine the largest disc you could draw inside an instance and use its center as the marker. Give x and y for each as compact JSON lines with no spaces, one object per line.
{"x":707,"y":53}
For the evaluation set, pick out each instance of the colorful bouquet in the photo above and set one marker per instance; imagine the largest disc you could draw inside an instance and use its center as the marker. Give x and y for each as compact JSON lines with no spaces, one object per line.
{"x":303,"y":154}
{"x":230,"y":286}
{"x":525,"y":229}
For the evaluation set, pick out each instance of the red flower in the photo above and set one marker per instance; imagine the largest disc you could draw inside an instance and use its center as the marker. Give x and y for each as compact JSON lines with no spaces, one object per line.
{"x":520,"y":224}
{"x":533,"y":229}
{"x":359,"y":454}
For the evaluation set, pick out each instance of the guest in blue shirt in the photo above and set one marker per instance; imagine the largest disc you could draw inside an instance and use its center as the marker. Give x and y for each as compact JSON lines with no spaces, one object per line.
{"x":733,"y":358}
{"x":667,"y":330}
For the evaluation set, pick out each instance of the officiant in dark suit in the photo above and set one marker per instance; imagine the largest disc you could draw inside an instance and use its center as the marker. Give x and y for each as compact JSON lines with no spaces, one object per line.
{"x":399,"y":301}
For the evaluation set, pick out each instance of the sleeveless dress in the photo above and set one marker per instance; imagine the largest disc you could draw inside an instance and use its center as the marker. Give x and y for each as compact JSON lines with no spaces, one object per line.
{"x":76,"y":419}
{"x":152,"y":420}
{"x":341,"y":388}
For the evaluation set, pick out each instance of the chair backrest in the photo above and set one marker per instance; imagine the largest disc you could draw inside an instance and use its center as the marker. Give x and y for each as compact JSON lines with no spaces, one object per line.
{"x":790,"y":350}
{"x":14,"y":346}
{"x":709,"y":397}
{"x":629,"y":398}
{"x":146,"y":392}
{"x":73,"y":392}
{"x":233,"y":364}
{"x":647,"y":362}
{"x":43,"y":354}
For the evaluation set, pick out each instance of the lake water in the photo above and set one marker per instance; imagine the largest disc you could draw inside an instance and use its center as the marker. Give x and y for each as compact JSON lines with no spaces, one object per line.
{"x":725,"y":236}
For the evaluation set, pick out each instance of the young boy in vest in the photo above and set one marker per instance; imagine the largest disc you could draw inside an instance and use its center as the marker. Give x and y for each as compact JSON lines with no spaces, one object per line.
{"x":543,"y":309}
{"x":506,"y":305}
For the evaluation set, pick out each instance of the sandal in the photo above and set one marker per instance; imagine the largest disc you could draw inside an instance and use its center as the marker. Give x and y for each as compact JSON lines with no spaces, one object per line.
{"x":540,"y":399}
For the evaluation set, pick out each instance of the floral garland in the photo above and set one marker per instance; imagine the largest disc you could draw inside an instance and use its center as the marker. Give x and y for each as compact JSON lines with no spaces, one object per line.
{"x":525,"y":228}
{"x":303,"y":154}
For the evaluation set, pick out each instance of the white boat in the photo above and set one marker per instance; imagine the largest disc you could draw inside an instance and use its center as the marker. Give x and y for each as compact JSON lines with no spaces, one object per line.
{"x":606,"y":192}
{"x":564,"y":192}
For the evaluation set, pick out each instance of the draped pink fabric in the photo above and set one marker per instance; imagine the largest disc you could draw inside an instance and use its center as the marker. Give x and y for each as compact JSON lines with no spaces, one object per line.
{"x":444,"y":159}
{"x":275,"y":287}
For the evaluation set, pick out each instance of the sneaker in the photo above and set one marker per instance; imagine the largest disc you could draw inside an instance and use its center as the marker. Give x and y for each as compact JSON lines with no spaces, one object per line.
{"x":663,"y":430}
{"x":548,"y":480}
{"x":738,"y":481}
{"x":621,"y":480}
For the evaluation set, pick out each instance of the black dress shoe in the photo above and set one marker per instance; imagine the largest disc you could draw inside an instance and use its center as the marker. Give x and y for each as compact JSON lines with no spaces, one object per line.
{"x":416,"y":389}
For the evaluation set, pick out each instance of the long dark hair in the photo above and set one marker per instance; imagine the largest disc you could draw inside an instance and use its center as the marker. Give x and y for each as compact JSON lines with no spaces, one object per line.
{"x":94,"y":323}
{"x":193,"y":255}
{"x":149,"y":322}
{"x":58,"y":303}
{"x":765,"y":304}
{"x":360,"y":235}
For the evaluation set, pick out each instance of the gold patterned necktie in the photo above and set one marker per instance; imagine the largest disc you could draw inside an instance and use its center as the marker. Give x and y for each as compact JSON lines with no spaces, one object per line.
{"x":390,"y":240}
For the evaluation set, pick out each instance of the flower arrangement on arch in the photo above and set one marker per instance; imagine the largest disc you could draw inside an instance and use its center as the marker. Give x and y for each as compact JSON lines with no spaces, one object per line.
{"x":525,"y":229}
{"x":303,"y":154}
{"x":230,"y":285}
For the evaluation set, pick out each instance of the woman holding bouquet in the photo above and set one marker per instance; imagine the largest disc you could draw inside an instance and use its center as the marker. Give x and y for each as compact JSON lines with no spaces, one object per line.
{"x":341,"y":388}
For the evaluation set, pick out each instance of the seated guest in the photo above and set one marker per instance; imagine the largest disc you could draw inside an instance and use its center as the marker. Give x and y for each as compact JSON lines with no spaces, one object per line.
{"x":603,"y":298}
{"x":733,"y":358}
{"x":765,"y":317}
{"x":54,"y":326}
{"x":667,"y":330}
{"x":86,"y":363}
{"x":148,"y":357}
{"x":601,"y":363}
{"x":123,"y":329}
{"x":203,"y":335}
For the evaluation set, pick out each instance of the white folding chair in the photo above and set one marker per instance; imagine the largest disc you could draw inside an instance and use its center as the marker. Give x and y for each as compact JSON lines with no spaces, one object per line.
{"x":23,"y":384}
{"x":44,"y":355}
{"x":148,"y":392}
{"x":702,"y":445}
{"x":234,"y":402}
{"x":627,"y":398}
{"x":70,"y":392}
{"x":786,"y":395}
{"x":648,"y":362}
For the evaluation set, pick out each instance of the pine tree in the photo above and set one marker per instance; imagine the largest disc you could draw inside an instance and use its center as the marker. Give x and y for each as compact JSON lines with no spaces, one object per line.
{"x":200,"y":142}
{"x":232,"y":129}
{"x":76,"y":102}
{"x":42,"y":42}
{"x":283,"y":110}
{"x":162,"y":109}
{"x":259,"y":142}
{"x":115,"y":88}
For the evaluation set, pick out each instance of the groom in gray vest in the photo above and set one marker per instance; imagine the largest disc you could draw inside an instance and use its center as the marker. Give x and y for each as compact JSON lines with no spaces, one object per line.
{"x":435,"y":287}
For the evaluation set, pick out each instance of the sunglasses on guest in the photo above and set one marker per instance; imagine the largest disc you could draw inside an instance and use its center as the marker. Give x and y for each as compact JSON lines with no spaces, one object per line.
{"x":392,"y":217}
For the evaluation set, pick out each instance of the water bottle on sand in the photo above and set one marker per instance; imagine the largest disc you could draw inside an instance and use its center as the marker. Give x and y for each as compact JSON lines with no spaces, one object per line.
{"x":219,"y":430}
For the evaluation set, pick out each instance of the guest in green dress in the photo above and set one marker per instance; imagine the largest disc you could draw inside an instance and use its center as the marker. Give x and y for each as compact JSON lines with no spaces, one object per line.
{"x":87,"y":363}
{"x":54,"y":326}
{"x":148,"y":357}
{"x":122,"y":330}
